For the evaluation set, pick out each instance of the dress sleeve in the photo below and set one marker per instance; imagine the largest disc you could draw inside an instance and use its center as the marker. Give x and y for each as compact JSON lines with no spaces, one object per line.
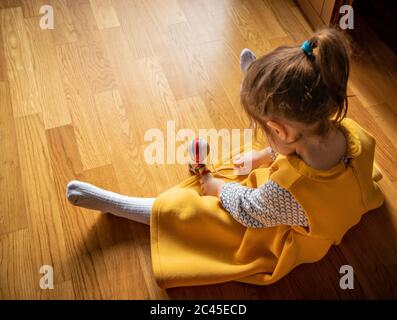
{"x":267,"y":206}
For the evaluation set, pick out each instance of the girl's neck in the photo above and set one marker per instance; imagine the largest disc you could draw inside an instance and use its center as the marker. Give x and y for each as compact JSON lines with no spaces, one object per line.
{"x":323,"y":153}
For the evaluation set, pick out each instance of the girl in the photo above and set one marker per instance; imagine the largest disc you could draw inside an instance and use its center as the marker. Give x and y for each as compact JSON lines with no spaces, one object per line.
{"x":312,"y":185}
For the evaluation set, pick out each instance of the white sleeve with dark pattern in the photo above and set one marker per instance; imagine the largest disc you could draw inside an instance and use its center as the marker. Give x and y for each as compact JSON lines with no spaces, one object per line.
{"x":267,"y":206}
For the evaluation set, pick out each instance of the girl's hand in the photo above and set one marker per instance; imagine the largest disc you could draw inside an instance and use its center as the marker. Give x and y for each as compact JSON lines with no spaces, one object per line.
{"x":211,"y":186}
{"x":251,"y":160}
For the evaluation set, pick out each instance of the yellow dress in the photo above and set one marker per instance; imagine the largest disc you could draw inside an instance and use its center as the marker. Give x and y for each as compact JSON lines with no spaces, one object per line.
{"x":194,"y":241}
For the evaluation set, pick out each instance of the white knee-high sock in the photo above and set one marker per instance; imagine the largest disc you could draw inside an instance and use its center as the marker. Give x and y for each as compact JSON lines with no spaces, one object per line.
{"x":246,"y":58}
{"x":88,"y":196}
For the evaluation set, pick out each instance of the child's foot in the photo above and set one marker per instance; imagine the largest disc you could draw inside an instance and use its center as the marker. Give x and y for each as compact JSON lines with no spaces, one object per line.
{"x":246,"y":58}
{"x":78,"y":193}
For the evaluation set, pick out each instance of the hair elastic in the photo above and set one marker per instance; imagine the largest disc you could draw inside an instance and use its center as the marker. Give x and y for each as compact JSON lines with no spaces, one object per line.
{"x":307,"y":48}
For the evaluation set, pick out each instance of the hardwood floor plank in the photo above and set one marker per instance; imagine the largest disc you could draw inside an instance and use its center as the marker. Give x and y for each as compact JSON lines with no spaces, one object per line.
{"x":373,"y":85}
{"x":136,"y":24}
{"x":88,"y":270}
{"x":83,"y":20}
{"x":13,"y":213}
{"x":288,"y":20}
{"x":266,"y":21}
{"x":128,"y":164}
{"x":143,"y":86}
{"x":18,"y":278}
{"x":302,"y":20}
{"x":373,"y":266}
{"x":55,"y":112}
{"x":386,"y":152}
{"x":123,"y":107}
{"x":181,"y":62}
{"x":164,"y":13}
{"x":19,"y":61}
{"x":122,"y":290}
{"x":249,"y":29}
{"x":31,"y":8}
{"x":124,"y":151}
{"x":104,"y":13}
{"x":283,"y":41}
{"x":386,"y":117}
{"x":129,"y":149}
{"x":64,"y":30}
{"x":373,"y":79}
{"x":124,"y":243}
{"x":3,"y":66}
{"x":61,"y":291}
{"x":43,"y":209}
{"x":117,"y":237}
{"x":223,"y":64}
{"x":93,"y":148}
{"x":5,"y":4}
{"x":199,"y":18}
{"x":96,"y":67}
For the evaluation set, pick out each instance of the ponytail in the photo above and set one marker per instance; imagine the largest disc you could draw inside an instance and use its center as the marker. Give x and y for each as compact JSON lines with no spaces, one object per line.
{"x":332,"y":60}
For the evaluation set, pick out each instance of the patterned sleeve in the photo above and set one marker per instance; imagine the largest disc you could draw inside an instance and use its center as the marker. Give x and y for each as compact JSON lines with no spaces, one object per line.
{"x":267,"y":206}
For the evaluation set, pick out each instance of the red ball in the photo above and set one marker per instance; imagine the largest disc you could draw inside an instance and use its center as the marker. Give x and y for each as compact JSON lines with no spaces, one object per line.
{"x":198,"y":150}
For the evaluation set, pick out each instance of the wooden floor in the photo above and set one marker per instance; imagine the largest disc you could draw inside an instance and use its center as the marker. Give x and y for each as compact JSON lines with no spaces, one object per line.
{"x":76,"y":101}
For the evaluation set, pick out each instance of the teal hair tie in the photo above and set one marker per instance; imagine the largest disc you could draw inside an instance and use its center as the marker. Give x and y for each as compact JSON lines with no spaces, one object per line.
{"x":307,"y":48}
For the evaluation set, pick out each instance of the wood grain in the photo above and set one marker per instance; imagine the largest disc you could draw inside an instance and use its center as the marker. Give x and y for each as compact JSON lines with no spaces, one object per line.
{"x":92,"y":147}
{"x":3,"y":67}
{"x":43,"y":209}
{"x":165,"y":13}
{"x":10,"y":4}
{"x":288,"y":20}
{"x":64,"y":30}
{"x":77,"y":101}
{"x":249,"y":29}
{"x":96,"y":67}
{"x":88,"y":271}
{"x":13,"y":214}
{"x":18,"y":278}
{"x":50,"y":91}
{"x":31,"y":8}
{"x":201,"y":20}
{"x":104,"y":13}
{"x":83,"y":20}
{"x":19,"y":61}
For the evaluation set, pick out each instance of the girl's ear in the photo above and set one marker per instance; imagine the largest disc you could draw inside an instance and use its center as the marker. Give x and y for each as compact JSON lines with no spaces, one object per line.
{"x":278,"y":129}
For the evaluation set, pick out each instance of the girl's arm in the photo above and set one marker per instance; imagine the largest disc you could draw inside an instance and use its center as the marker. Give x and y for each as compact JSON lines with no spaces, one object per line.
{"x":268,"y":155}
{"x":267,"y":206}
{"x":254,"y":159}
